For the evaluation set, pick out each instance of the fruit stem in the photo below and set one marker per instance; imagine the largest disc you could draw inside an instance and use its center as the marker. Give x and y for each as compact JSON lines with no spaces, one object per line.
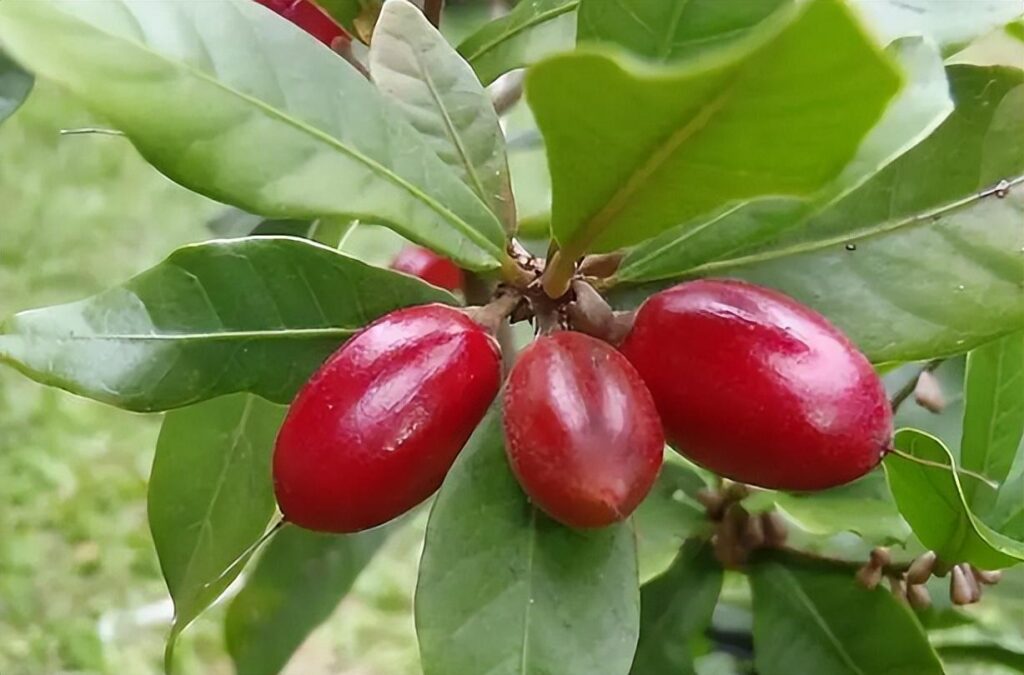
{"x":889,"y":570}
{"x":939,"y":465}
{"x":907,"y":389}
{"x":492,"y":315}
{"x":244,"y":556}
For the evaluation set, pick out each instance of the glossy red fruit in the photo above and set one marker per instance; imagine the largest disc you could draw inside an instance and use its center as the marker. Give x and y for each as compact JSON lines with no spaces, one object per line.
{"x":582,"y":433}
{"x":429,"y":266}
{"x":376,"y":429}
{"x":309,"y":17}
{"x":759,"y":388}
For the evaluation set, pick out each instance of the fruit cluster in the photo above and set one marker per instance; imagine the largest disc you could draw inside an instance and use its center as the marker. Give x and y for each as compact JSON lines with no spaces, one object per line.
{"x":739,"y":379}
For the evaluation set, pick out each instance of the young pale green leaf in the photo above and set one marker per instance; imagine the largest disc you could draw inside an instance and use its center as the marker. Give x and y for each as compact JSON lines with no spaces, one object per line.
{"x":993,"y":414}
{"x":354,"y":15}
{"x":411,"y":62}
{"x":675,"y":608}
{"x":932,"y":501}
{"x":819,"y":620}
{"x":505,"y":590}
{"x":210,"y":497}
{"x":299,"y":580}
{"x":951,"y":23}
{"x":531,"y":31}
{"x":917,"y":262}
{"x":257,"y":315}
{"x":15,"y":85}
{"x":288,"y":129}
{"x":617,"y":178}
{"x":667,"y":30}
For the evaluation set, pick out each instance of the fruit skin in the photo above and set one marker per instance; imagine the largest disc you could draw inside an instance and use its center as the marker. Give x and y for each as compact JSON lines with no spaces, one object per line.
{"x":759,"y":388}
{"x":582,"y":433}
{"x":429,"y":266}
{"x":309,"y":17}
{"x":375,"y":430}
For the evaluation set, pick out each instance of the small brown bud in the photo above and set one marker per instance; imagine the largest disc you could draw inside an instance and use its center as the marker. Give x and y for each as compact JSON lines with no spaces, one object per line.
{"x":775,"y":529}
{"x":921,"y":569}
{"x":589,"y":312}
{"x":962,"y":586}
{"x":898,"y":587}
{"x":918,"y":596}
{"x":987,"y":577}
{"x":928,"y":393}
{"x":869,"y":576}
{"x":712,"y":502}
{"x":880,"y":557}
{"x":753,"y":533}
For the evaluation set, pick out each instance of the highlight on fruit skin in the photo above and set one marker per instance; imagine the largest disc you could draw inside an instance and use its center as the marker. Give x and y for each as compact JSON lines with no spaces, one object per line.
{"x":582,"y":433}
{"x":375,"y":430}
{"x":429,"y":266}
{"x":309,"y":17}
{"x":759,"y":388}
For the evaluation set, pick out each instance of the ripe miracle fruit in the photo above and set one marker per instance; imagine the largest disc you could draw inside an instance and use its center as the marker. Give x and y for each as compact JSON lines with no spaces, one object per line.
{"x":429,"y":266}
{"x":375,"y":430}
{"x":759,"y":388}
{"x":582,"y":433}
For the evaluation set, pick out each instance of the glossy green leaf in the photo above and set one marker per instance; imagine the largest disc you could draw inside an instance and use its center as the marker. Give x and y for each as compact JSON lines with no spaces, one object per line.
{"x":505,"y":590}
{"x":288,"y":129}
{"x":819,"y":620}
{"x":993,"y":414}
{"x":257,"y":315}
{"x":411,"y":62}
{"x":299,"y":580}
{"x":531,"y":31}
{"x":668,"y":516}
{"x":932,"y":501}
{"x":951,"y":23}
{"x":210,"y":497}
{"x":917,"y":262}
{"x":347,"y":12}
{"x":675,"y":608}
{"x":616,"y":179}
{"x":15,"y":85}
{"x":1007,"y":514}
{"x":667,"y":30}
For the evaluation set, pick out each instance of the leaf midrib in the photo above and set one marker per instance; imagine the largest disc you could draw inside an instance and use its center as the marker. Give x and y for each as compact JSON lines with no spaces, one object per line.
{"x":802,"y":598}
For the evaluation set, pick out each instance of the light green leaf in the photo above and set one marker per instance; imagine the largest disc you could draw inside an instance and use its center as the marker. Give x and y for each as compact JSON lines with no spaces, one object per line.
{"x":531,"y":31}
{"x":675,"y":608}
{"x":951,"y":23}
{"x":917,"y":262}
{"x":411,"y":62}
{"x":15,"y":85}
{"x":819,"y":620}
{"x":932,"y":501}
{"x":348,"y":12}
{"x":210,"y":497}
{"x":667,"y":517}
{"x":288,"y":129}
{"x":993,"y":415}
{"x":257,"y":315}
{"x":299,"y":580}
{"x":505,"y":590}
{"x":618,"y":183}
{"x":666,"y":30}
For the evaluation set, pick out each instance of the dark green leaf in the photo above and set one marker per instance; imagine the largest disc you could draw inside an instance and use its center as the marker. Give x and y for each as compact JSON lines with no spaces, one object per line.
{"x":666,"y":30}
{"x":531,"y":31}
{"x":505,"y":590}
{"x":347,"y":12}
{"x":818,"y":620}
{"x":288,"y":129}
{"x":210,"y":496}
{"x":932,"y":501}
{"x":674,"y":608}
{"x":15,"y":85}
{"x":258,"y":315}
{"x":951,"y":23}
{"x":297,"y":583}
{"x":440,"y":95}
{"x":667,"y":517}
{"x":617,"y":183}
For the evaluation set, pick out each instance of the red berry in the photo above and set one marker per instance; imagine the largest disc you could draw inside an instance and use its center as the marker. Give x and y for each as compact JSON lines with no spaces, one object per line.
{"x":429,"y":266}
{"x":583,"y":435}
{"x":309,"y":17}
{"x":759,"y":388}
{"x":376,"y":429}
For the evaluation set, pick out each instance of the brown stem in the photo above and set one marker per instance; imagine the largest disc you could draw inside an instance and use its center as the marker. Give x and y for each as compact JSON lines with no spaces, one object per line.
{"x":799,"y":555}
{"x":432,"y":10}
{"x":907,"y":389}
{"x":342,"y":46}
{"x":506,"y":92}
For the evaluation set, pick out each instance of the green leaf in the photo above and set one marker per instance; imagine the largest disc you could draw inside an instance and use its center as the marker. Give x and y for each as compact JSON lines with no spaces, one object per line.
{"x":617,"y":183}
{"x":915,"y":112}
{"x":440,"y":95}
{"x":667,"y":517}
{"x":932,"y":501}
{"x":257,"y":315}
{"x":818,"y":620}
{"x":328,"y":143}
{"x":15,"y":85}
{"x":675,"y":608}
{"x":663,"y":30}
{"x":505,"y":590}
{"x":993,"y":414}
{"x":210,"y":497}
{"x":347,"y":12}
{"x":299,"y":580}
{"x":917,"y":262}
{"x":531,"y":31}
{"x":951,"y":23}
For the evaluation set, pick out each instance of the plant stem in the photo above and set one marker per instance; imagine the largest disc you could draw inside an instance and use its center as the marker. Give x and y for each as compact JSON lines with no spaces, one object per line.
{"x":907,"y":389}
{"x":432,"y":9}
{"x":558,"y":274}
{"x":798,"y":555}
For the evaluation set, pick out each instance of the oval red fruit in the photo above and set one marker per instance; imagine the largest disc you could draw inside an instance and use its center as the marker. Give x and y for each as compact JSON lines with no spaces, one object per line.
{"x":582,"y":433}
{"x":759,"y":388}
{"x":375,"y":430}
{"x":309,"y":17}
{"x":429,"y":266}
